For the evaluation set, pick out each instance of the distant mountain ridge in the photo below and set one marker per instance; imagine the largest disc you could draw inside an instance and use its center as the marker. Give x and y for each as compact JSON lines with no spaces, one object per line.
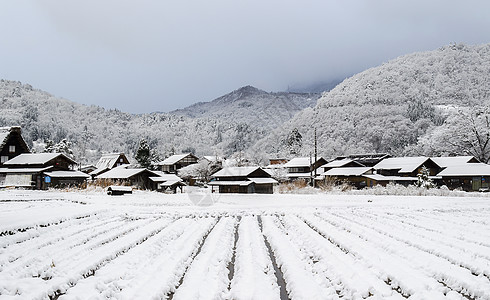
{"x":250,"y":104}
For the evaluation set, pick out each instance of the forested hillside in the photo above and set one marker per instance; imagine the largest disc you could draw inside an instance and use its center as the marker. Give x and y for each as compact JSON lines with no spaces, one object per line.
{"x":234,"y":122}
{"x":428,"y":103}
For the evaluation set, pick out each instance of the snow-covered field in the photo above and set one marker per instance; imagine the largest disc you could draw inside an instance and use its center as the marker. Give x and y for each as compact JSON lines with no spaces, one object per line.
{"x":62,"y":245}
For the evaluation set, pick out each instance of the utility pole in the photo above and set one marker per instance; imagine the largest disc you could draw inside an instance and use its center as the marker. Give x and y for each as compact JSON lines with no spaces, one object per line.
{"x":316,"y":158}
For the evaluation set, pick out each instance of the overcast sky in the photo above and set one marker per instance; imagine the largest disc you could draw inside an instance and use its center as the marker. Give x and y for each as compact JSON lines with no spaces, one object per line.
{"x":153,"y":55}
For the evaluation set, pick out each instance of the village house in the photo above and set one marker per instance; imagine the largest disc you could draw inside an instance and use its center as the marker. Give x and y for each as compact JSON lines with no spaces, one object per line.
{"x":123,"y":175}
{"x":166,"y":183}
{"x":109,"y":161}
{"x":176,"y":162}
{"x":243,"y":180}
{"x":406,"y":166}
{"x":353,"y":176}
{"x":365,"y":159}
{"x":11,"y":143}
{"x":341,"y":163}
{"x":468,"y":177}
{"x":303,"y":168}
{"x":40,"y":171}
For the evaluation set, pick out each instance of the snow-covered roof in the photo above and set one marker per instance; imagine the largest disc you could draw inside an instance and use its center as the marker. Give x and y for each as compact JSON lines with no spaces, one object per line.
{"x":339,"y":163}
{"x":300,"y":162}
{"x":67,"y":174}
{"x":108,"y":160}
{"x":354,"y":171}
{"x":403,"y":164}
{"x":444,"y":162}
{"x":35,"y":158}
{"x":24,"y":170}
{"x":471,"y":169}
{"x":121,"y":172}
{"x":379,"y":177}
{"x":300,"y":175}
{"x":4,"y":133}
{"x":235,"y":171}
{"x":171,"y":182}
{"x":212,"y":158}
{"x":165,"y":177}
{"x":173,"y":159}
{"x":225,"y":182}
{"x":263,"y":180}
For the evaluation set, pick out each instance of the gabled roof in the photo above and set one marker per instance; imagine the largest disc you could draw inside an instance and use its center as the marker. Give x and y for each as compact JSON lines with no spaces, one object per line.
{"x":35,"y":159}
{"x":403,"y":164}
{"x":67,"y":174}
{"x":107,"y":161}
{"x":122,"y":172}
{"x":166,"y":177}
{"x":444,"y":162}
{"x":340,"y":163}
{"x":301,"y":162}
{"x":5,"y":133}
{"x":235,"y":172}
{"x":379,"y":177}
{"x":471,"y":169}
{"x":173,"y":159}
{"x":354,"y":171}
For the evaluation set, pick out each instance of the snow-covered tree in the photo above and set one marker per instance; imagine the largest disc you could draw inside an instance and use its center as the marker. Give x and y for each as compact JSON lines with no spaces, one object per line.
{"x":294,"y":142}
{"x":202,"y":170}
{"x":64,"y":146}
{"x":143,"y":154}
{"x":423,"y":179}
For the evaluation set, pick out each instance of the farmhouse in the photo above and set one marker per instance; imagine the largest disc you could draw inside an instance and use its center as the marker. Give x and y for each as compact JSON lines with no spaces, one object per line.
{"x":109,"y":161}
{"x":351,"y":175}
{"x":303,"y":167}
{"x":40,"y":171}
{"x":341,"y":163}
{"x":139,"y":178}
{"x":178,"y":161}
{"x":468,"y":177}
{"x":164,"y":182}
{"x":243,"y":180}
{"x":366,"y":159}
{"x":11,"y":143}
{"x":406,"y":166}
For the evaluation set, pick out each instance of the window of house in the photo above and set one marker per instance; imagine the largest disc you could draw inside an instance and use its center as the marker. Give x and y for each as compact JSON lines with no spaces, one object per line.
{"x":120,"y":160}
{"x":12,"y":148}
{"x":4,"y":159}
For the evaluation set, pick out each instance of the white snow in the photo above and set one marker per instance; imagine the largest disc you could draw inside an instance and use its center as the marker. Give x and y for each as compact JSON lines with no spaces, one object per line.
{"x":87,"y":245}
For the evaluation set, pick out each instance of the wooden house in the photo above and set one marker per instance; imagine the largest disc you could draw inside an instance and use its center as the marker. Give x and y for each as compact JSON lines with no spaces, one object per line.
{"x":243,"y":180}
{"x":341,"y":163}
{"x":468,"y":177}
{"x":303,"y":167}
{"x":109,"y":161}
{"x":351,"y":175}
{"x":176,"y":162}
{"x":123,"y":175}
{"x":378,"y":179}
{"x":164,"y":182}
{"x":11,"y":143}
{"x":406,"y":166}
{"x":40,"y":171}
{"x":365,"y":159}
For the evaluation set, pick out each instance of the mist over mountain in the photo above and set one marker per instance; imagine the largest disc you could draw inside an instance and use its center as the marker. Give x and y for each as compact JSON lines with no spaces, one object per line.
{"x":395,"y":107}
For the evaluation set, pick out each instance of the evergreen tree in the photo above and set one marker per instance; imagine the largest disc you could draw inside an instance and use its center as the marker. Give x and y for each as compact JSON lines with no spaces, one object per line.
{"x":143,"y":155}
